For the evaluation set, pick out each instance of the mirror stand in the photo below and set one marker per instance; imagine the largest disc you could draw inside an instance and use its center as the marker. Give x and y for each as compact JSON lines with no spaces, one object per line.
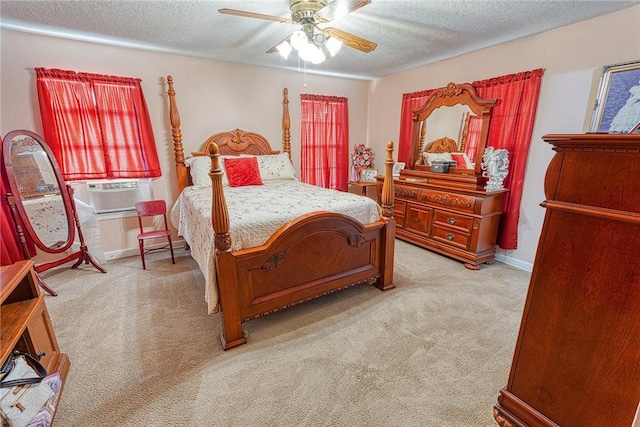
{"x":42,"y":203}
{"x":23,"y":241}
{"x":82,"y":254}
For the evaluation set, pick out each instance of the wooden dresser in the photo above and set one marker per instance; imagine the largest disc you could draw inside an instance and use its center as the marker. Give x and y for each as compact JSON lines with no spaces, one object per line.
{"x":442,"y":213}
{"x":24,"y":320}
{"x":577,"y":357}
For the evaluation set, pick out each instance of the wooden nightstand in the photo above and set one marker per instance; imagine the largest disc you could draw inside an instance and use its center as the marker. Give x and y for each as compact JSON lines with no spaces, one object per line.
{"x":367,"y":189}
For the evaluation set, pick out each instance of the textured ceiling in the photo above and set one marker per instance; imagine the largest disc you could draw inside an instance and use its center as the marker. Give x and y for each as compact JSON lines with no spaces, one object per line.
{"x":409,"y":33}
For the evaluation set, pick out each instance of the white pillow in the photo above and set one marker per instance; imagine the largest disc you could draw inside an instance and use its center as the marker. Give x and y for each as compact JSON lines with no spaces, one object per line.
{"x":275,"y":167}
{"x":430,"y":157}
{"x":199,"y":167}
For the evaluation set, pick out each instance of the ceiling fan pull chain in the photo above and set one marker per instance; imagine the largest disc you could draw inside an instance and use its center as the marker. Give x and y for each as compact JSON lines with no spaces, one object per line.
{"x":305,"y":73}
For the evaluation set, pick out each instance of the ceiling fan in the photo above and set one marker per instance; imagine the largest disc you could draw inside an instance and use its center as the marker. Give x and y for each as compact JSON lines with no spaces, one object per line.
{"x":311,"y":15}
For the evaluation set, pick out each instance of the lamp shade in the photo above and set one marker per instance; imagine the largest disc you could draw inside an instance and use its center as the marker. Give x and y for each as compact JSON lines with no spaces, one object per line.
{"x":285,"y":49}
{"x":298,"y":39}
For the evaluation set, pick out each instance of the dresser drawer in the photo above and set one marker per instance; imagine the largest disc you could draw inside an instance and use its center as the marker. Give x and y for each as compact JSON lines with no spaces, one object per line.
{"x":451,"y":237}
{"x":453,"y":221}
{"x":399,"y":213}
{"x":405,"y":192}
{"x":458,"y":202}
{"x":418,"y":219}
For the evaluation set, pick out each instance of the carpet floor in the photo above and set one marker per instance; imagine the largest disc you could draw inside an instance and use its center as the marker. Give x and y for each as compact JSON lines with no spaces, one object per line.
{"x":434,"y":351}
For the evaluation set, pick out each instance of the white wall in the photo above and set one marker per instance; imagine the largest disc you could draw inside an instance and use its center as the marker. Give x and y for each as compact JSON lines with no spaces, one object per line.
{"x":572,"y":57}
{"x":211,"y":96}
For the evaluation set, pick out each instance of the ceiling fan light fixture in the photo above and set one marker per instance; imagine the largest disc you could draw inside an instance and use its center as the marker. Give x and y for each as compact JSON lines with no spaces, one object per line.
{"x":298,"y":40}
{"x":311,"y":53}
{"x":333,"y":45}
{"x":284,"y":49}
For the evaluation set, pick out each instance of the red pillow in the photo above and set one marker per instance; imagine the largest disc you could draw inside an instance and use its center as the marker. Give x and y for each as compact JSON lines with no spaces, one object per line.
{"x":243,"y":171}
{"x":461,"y":162}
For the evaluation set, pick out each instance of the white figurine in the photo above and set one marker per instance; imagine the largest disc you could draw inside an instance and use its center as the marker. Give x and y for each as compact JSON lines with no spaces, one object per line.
{"x":495,"y":164}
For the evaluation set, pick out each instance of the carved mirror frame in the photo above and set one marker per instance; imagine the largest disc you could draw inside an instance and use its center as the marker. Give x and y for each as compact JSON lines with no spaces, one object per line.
{"x":449,"y":96}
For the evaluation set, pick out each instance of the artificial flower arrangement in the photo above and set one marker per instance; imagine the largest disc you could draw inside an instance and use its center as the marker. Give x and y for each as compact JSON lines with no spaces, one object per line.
{"x":362,"y":157}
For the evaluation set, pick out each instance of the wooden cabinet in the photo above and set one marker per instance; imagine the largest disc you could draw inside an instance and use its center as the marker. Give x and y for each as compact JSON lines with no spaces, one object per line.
{"x":461,"y":223}
{"x":577,"y":357}
{"x":24,"y":320}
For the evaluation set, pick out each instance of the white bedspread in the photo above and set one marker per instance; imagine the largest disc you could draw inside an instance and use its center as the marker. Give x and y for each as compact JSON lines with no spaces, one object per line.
{"x":255,"y":213}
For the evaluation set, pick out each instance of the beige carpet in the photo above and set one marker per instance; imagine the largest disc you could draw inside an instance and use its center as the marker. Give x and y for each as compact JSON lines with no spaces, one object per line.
{"x":435,"y":351}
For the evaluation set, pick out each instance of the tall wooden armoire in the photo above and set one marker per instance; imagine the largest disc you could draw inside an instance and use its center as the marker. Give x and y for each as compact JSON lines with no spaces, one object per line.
{"x":577,"y":357}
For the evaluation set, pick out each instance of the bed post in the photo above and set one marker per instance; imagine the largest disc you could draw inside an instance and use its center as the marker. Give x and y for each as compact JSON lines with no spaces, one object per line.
{"x":387,"y":201}
{"x":232,"y":335}
{"x":423,"y":134}
{"x":387,"y":197}
{"x":286,"y":123}
{"x":219,"y":213}
{"x":415,"y":143}
{"x":176,"y":133}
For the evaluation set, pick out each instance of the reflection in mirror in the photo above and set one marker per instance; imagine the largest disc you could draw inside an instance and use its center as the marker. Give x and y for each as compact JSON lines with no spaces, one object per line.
{"x":446,"y":122}
{"x":41,"y":203}
{"x":471,"y":133}
{"x":454,"y":112}
{"x":39,"y":190}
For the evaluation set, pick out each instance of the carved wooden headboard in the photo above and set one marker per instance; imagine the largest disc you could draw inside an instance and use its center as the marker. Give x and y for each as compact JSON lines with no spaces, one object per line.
{"x":442,"y":145}
{"x":238,"y":142}
{"x":233,"y":142}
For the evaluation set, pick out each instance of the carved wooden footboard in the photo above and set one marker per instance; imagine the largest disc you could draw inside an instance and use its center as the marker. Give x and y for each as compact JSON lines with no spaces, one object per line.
{"x":314,"y":255}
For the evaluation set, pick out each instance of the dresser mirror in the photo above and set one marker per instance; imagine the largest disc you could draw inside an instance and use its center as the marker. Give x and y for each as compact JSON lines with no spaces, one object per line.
{"x":453,"y":119}
{"x":41,"y":202}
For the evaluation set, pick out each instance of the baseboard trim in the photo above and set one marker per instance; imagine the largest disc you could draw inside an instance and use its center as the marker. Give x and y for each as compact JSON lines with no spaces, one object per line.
{"x":514,"y":262}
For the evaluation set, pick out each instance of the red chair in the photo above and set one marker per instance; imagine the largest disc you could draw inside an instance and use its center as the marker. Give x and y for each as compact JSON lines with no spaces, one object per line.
{"x":153,"y":208}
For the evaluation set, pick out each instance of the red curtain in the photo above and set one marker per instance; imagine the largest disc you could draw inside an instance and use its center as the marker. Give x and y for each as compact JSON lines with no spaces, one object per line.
{"x":410,"y":102}
{"x":10,"y":252}
{"x":324,"y":136}
{"x":97,"y":126}
{"x":474,"y":129}
{"x":511,"y":128}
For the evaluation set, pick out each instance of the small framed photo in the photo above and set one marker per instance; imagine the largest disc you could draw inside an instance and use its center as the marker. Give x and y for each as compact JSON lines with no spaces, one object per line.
{"x":617,"y":107}
{"x":368,"y":175}
{"x":397,"y":167}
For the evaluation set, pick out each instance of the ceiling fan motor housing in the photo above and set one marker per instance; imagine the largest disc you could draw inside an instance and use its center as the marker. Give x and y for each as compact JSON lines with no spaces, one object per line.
{"x":303,"y":11}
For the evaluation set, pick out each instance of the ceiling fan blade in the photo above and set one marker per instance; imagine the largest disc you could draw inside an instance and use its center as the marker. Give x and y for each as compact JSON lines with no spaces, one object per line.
{"x":350,"y":40}
{"x":256,"y":15}
{"x":339,"y":8}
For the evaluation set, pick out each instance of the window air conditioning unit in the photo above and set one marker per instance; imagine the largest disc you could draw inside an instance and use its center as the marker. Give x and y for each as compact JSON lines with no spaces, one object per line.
{"x":117,"y":195}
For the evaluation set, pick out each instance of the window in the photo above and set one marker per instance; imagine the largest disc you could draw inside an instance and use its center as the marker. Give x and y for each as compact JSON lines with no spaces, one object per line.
{"x":325,"y":141}
{"x":96,"y":125}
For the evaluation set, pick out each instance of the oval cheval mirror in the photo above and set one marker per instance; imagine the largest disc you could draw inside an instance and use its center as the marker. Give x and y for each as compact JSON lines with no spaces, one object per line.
{"x":41,"y":203}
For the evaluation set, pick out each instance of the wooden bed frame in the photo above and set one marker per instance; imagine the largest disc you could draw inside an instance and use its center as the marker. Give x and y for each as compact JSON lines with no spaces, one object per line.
{"x":314,"y":255}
